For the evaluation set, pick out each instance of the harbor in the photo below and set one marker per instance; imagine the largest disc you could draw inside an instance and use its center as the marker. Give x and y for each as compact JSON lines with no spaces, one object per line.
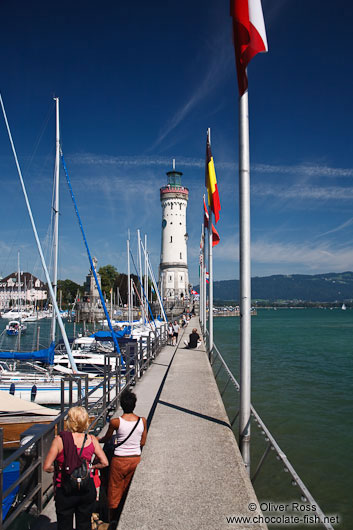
{"x":175,"y":180}
{"x":191,"y":449}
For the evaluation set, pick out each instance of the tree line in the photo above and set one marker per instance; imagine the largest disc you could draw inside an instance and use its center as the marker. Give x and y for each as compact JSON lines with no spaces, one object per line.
{"x":111,"y":279}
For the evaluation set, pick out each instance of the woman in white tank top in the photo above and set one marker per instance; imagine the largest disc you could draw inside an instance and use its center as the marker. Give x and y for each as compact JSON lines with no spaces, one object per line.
{"x":131,"y":436}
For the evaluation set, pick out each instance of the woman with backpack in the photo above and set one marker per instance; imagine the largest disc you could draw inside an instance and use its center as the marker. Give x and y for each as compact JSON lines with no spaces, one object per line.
{"x":131,"y":433}
{"x":69,"y":457}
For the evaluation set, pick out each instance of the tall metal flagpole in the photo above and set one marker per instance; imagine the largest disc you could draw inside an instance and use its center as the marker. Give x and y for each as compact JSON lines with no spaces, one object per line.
{"x":204,"y":305}
{"x":210,"y":272}
{"x":128,"y":280}
{"x":245,"y":280}
{"x":201,"y":283}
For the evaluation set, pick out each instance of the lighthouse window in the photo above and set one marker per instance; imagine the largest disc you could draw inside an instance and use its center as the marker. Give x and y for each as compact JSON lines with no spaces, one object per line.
{"x":180,"y":256}
{"x":170,"y":278}
{"x":171,"y":206}
{"x":180,"y":206}
{"x":171,"y":239}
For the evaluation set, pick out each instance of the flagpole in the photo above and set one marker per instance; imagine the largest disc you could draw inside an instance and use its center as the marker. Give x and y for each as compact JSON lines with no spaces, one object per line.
{"x":245,"y":280}
{"x":210,"y":267}
{"x":200,"y":283}
{"x":204,"y":286}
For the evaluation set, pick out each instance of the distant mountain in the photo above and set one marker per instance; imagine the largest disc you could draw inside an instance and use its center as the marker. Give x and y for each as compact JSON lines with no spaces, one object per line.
{"x":330,"y":287}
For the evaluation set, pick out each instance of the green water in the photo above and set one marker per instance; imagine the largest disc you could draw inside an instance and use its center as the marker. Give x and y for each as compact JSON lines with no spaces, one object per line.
{"x":302,"y":362}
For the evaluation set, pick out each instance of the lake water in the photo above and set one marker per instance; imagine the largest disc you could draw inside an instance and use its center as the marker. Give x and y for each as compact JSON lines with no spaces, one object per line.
{"x":302,"y":361}
{"x":302,"y":365}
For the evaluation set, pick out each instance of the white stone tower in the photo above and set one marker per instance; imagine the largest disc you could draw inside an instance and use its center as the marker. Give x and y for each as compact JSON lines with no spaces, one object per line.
{"x":173,"y":269}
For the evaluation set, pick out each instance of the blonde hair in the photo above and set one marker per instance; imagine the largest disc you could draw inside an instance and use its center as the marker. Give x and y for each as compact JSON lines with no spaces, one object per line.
{"x":77,"y":419}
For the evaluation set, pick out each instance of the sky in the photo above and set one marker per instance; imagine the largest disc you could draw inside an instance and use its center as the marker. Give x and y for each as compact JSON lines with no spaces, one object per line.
{"x":139,"y":83}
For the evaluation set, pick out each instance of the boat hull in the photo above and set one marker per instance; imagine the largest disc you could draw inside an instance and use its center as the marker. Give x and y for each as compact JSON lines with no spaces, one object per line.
{"x":48,"y":394}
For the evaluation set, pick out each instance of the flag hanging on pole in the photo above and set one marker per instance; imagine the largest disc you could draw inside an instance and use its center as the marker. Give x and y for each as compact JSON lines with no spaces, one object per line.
{"x":249,"y":36}
{"x":215,"y":235}
{"x":205,"y":214}
{"x":211,"y":182}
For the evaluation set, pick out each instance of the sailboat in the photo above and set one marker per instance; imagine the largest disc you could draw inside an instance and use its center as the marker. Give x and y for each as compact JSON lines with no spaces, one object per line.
{"x":30,"y":384}
{"x":15,"y":327}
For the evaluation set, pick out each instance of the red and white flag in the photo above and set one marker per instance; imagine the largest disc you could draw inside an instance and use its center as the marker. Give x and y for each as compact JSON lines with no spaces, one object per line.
{"x":249,"y":36}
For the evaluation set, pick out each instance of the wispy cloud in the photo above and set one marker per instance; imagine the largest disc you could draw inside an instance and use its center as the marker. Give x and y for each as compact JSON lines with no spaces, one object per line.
{"x":304,"y":192}
{"x":342,"y":226}
{"x":322,"y":257}
{"x":218,"y":58}
{"x":318,"y":170}
{"x":306,"y":170}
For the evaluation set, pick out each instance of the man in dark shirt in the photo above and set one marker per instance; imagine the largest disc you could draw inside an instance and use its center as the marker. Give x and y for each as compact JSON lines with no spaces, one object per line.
{"x":194,"y":337}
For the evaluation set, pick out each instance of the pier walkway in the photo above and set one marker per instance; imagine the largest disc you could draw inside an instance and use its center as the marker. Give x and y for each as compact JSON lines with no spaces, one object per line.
{"x":191,"y":474}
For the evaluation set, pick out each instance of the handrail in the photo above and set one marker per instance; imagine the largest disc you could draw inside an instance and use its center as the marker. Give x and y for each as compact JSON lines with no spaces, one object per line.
{"x":273,"y":445}
{"x":144,"y":354}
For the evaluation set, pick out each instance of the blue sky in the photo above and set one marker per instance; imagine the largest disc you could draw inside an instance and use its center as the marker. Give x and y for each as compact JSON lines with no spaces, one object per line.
{"x":139,"y":84}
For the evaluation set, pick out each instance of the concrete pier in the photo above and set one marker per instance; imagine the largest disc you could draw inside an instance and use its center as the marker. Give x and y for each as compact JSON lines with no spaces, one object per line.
{"x":191,"y":474}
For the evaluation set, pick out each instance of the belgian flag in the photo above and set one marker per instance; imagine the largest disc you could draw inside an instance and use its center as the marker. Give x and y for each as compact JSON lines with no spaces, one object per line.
{"x":211,"y":182}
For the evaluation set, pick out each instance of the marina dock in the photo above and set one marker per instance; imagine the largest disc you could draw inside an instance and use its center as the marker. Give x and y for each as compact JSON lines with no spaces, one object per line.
{"x":191,"y":474}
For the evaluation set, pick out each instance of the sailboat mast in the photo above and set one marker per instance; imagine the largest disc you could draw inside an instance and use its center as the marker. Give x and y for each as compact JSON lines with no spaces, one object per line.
{"x":60,"y":322}
{"x":19,"y":282}
{"x":140,"y":269}
{"x":56,"y":215}
{"x":128,"y":280}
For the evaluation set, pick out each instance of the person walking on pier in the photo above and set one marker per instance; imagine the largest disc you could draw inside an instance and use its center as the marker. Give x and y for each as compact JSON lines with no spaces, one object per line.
{"x":131,"y":436}
{"x":69,"y":450}
{"x":170,"y":334}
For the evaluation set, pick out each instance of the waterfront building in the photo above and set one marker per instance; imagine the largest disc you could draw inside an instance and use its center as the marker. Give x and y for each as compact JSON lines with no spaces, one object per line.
{"x":31,"y":291}
{"x":90,"y":308}
{"x":173,"y":268}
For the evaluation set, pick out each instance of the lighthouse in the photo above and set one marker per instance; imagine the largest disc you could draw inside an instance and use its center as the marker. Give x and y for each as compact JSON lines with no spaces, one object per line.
{"x":173,"y":269}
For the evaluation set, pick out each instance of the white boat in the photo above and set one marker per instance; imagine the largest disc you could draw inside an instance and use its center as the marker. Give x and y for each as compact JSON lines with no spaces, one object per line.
{"x":14,"y":327}
{"x":343,"y":307}
{"x":34,"y":317}
{"x":15,"y":314}
{"x":38,"y":385}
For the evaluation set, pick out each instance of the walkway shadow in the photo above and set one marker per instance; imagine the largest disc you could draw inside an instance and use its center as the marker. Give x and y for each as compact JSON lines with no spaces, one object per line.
{"x":193,"y":413}
{"x":44,"y":523}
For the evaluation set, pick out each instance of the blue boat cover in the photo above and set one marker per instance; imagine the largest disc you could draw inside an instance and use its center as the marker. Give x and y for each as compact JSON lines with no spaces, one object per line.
{"x":104,"y":335}
{"x":11,"y":474}
{"x":46,"y":355}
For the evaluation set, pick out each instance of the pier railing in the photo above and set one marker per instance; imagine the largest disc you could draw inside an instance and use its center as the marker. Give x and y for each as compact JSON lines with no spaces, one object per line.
{"x":34,"y":487}
{"x":227,"y":383}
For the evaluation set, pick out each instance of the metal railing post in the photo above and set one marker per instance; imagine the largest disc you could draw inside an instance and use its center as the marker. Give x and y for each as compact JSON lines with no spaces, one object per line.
{"x":105,"y":385}
{"x":109,"y":377}
{"x":70,"y":392}
{"x":86,"y":391}
{"x":40,"y":457}
{"x":79,"y":389}
{"x":1,"y":472}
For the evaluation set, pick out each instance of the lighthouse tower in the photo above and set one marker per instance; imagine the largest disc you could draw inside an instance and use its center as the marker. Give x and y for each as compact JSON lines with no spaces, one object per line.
{"x":173,"y":269}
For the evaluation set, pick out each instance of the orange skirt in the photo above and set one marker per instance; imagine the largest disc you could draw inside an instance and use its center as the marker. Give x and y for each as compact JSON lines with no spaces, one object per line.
{"x":121,"y":472}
